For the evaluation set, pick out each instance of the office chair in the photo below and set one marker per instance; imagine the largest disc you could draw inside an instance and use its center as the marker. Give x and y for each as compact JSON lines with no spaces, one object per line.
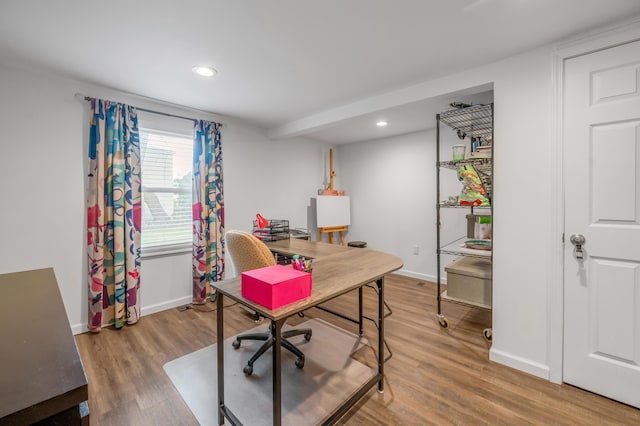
{"x":247,"y":252}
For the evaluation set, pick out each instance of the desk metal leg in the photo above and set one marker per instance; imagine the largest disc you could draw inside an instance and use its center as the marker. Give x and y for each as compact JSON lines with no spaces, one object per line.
{"x":220,"y":351}
{"x":360,"y":309}
{"x":277,"y":371}
{"x":380,"y":284}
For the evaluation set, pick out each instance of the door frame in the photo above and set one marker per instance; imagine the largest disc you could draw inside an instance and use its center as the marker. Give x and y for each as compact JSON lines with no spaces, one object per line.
{"x":604,"y":38}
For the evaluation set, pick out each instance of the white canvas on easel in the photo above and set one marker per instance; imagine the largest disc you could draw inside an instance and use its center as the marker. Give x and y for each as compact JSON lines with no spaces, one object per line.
{"x":333,"y":210}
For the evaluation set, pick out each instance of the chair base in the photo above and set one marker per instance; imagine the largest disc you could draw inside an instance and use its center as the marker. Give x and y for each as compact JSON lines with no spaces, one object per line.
{"x":269,"y":341}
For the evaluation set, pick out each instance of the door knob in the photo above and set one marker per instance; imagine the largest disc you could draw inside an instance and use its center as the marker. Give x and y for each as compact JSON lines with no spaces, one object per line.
{"x":577,"y":239}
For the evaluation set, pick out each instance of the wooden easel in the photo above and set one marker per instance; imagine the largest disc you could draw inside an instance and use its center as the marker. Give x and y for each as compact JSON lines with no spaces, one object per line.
{"x":330,"y":230}
{"x":331,"y":191}
{"x":332,"y":173}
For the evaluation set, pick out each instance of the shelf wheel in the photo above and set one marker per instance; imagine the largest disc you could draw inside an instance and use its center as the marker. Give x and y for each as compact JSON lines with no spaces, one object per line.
{"x":487,"y":334}
{"x":443,"y":321}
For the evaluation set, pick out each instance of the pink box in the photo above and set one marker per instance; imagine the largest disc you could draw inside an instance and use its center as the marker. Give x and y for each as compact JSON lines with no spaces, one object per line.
{"x":275,"y":286}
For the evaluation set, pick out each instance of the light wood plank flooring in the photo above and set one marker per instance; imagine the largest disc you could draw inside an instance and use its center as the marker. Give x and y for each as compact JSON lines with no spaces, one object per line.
{"x":435,"y":376}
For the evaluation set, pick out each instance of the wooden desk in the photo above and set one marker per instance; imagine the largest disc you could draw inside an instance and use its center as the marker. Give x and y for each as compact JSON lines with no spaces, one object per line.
{"x":336,"y":270}
{"x":41,"y":374}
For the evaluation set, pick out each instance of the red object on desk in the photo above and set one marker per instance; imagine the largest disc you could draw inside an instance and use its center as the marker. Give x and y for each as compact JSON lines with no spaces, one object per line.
{"x":262,"y":222}
{"x":275,"y":286}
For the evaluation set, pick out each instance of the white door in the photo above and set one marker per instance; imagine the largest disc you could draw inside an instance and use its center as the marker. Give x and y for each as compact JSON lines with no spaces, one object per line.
{"x":602,"y":202}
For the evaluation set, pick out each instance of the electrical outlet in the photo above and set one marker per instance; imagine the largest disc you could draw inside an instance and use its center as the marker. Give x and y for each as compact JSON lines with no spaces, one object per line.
{"x":416,"y":249}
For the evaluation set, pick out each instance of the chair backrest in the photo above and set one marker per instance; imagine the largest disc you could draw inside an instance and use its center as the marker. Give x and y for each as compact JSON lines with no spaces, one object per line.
{"x":247,"y":252}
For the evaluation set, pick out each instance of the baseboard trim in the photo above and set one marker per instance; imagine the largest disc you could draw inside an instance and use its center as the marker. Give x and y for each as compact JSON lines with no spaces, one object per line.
{"x":159,"y":307}
{"x":522,"y":364}
{"x":79,"y":329}
{"x":420,"y":276}
{"x":145,"y":310}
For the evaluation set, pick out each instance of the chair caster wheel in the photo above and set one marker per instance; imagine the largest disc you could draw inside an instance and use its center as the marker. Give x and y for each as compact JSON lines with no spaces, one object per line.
{"x":300,"y":362}
{"x":307,"y":336}
{"x":235,"y":344}
{"x":248,"y":370}
{"x":487,"y":333}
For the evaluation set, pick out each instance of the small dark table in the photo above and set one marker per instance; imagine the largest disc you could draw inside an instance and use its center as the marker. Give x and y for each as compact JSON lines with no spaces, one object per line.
{"x":41,"y":375}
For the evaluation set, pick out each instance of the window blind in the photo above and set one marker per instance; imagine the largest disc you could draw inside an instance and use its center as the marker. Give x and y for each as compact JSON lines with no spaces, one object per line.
{"x":166,"y":159}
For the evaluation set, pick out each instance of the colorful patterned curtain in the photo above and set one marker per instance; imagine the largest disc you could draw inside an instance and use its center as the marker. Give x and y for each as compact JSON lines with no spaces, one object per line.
{"x":113,"y":215}
{"x":208,"y":210}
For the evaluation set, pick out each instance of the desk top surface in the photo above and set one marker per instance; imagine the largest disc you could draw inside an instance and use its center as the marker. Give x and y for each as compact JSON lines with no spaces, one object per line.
{"x":336,"y":270}
{"x":40,"y":368}
{"x":307,"y":248}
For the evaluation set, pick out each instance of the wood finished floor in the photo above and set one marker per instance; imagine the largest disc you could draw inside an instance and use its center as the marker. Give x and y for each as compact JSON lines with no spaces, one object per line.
{"x":435,"y":376}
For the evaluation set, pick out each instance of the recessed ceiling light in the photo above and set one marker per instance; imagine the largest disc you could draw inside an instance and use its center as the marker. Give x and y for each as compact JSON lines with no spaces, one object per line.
{"x":381,"y":123}
{"x":205,"y":71}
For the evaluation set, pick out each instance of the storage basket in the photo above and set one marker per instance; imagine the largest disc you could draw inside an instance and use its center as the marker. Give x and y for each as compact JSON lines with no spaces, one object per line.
{"x":278,"y":229}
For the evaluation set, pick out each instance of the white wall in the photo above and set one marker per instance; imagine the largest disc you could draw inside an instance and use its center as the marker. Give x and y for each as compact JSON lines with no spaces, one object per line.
{"x":392,"y":190}
{"x":42,"y":181}
{"x":392,"y":185}
{"x":392,"y":182}
{"x":522,"y":224}
{"x":274,"y":178}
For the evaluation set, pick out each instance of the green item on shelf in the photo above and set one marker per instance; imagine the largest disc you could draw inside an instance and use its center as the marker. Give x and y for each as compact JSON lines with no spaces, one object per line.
{"x":473,"y":192}
{"x":484,"y":219}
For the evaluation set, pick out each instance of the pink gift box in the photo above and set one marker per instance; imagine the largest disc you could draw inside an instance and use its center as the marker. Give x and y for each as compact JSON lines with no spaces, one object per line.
{"x":275,"y":286}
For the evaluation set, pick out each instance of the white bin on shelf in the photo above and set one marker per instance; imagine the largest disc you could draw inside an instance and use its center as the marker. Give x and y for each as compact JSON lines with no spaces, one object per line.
{"x":469,"y":280}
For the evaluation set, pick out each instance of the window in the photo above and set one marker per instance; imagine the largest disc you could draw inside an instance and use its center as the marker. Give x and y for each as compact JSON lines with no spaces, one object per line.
{"x":166,"y":190}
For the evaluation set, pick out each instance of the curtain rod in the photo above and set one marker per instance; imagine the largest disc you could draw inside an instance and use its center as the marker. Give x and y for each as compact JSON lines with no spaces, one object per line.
{"x":88,"y":98}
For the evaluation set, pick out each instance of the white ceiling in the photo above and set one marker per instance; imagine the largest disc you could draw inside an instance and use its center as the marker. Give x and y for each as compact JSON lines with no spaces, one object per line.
{"x":406,"y":118}
{"x":280,"y":61}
